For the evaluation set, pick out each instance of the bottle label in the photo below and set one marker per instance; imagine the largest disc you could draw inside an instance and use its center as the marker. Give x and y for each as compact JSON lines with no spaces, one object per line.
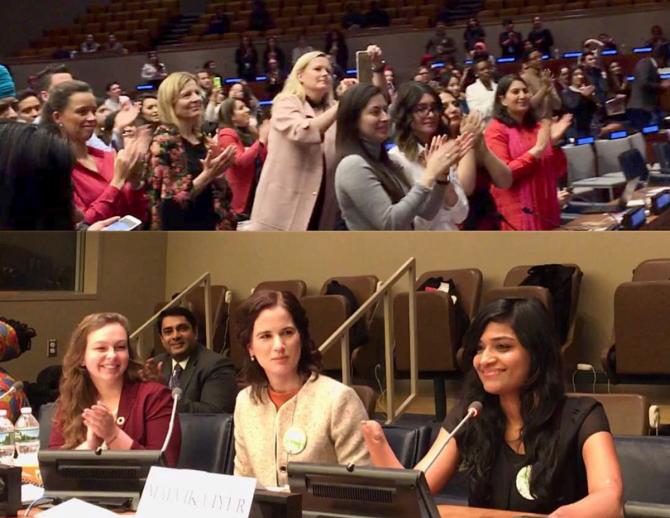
{"x":6,"y":438}
{"x":27,"y":434}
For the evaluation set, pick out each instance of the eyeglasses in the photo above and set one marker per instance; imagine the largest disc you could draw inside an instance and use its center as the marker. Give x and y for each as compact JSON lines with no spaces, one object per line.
{"x":425,"y":109}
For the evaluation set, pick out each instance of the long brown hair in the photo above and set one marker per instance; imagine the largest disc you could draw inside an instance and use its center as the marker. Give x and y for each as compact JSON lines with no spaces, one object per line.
{"x":77,"y":391}
{"x":310,"y":357}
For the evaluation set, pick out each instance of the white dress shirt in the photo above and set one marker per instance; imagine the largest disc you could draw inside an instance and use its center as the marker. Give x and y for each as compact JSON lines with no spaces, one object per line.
{"x":481,"y":98}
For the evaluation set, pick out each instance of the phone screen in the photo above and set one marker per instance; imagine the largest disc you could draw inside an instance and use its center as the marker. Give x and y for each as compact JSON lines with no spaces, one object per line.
{"x":363,"y":67}
{"x":216,"y":81}
{"x":123,"y":224}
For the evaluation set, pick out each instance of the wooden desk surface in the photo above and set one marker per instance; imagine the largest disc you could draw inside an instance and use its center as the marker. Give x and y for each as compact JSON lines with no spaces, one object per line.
{"x":455,"y":511}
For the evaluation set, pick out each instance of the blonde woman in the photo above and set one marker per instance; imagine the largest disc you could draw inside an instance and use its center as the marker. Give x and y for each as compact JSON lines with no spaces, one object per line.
{"x":186,"y":185}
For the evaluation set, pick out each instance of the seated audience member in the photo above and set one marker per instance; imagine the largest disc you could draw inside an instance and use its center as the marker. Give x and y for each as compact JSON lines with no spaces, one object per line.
{"x":246,"y":59}
{"x":102,"y":401}
{"x":235,"y":130}
{"x":15,"y":339}
{"x":423,"y":75}
{"x":511,"y":41}
{"x":376,"y":16}
{"x":289,"y":412}
{"x":528,"y":147}
{"x":481,"y":94}
{"x":452,"y":84}
{"x":657,"y":37}
{"x":35,"y":185}
{"x":114,"y":45}
{"x":153,"y":71}
{"x":275,"y":78}
{"x":352,"y":19}
{"x":372,"y":191}
{"x":9,"y":105}
{"x":219,"y":24}
{"x":105,"y":184}
{"x":186,"y":187}
{"x":644,"y":102}
{"x":260,"y":18}
{"x":115,"y":101}
{"x":417,"y":118}
{"x":473,"y":33}
{"x":273,"y":51}
{"x":540,"y":37}
{"x":579,"y":100}
{"x":511,"y":453}
{"x":206,"y":378}
{"x":336,"y":45}
{"x":301,"y":48}
{"x":29,"y":106}
{"x":544,"y":98}
{"x":441,"y":43}
{"x":487,"y":170}
{"x":89,"y":45}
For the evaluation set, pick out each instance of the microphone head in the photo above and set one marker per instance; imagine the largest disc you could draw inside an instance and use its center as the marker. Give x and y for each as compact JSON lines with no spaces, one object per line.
{"x":475,"y":408}
{"x":176,"y":393}
{"x":17,"y":386}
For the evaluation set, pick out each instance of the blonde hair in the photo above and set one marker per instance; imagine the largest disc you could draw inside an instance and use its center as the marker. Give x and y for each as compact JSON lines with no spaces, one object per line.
{"x":168,"y":94}
{"x":293,"y":86}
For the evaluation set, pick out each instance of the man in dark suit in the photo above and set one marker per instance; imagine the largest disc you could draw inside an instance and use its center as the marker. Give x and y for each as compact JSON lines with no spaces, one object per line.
{"x":644,"y":103}
{"x":206,"y":378}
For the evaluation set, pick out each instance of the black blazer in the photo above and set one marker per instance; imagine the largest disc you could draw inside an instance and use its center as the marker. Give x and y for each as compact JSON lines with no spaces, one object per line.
{"x":208,"y":382}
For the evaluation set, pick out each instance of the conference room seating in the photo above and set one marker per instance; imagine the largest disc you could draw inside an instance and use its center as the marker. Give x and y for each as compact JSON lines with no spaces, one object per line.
{"x":207,"y":442}
{"x":440,"y":327}
{"x":368,"y":396}
{"x":628,"y":414}
{"x":662,"y":154}
{"x":645,"y":468}
{"x":296,"y":286}
{"x":607,"y":155}
{"x":326,"y":313}
{"x":581,"y":165}
{"x":45,"y":418}
{"x":409,"y":444}
{"x":652,"y":270}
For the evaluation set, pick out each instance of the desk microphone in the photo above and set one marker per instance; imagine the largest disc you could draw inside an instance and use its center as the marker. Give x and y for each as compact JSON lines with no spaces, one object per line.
{"x":474,"y":409}
{"x":16,"y":387}
{"x":531,"y":212}
{"x":176,"y":396}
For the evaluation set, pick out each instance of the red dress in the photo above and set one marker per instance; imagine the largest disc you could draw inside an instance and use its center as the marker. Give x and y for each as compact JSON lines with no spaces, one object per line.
{"x":535,"y":180}
{"x":145,"y":408}
{"x":97,"y":199}
{"x":242,"y":173}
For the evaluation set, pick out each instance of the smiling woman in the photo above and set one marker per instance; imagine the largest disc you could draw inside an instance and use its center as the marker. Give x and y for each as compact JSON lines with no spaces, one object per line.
{"x":102,"y":401}
{"x":289,"y":412}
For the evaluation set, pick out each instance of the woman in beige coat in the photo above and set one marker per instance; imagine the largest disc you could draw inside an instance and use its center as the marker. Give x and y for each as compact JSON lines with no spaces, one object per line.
{"x":296,"y":188}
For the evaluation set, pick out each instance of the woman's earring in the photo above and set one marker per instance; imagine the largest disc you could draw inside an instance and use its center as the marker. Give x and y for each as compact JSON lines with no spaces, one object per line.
{"x":253,"y":358}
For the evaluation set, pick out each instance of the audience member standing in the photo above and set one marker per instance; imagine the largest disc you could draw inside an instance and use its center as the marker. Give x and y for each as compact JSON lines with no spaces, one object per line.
{"x":274,"y":82}
{"x":115,"y":101}
{"x":186,"y":186}
{"x":540,"y":37}
{"x":511,"y":41}
{"x":29,"y":106}
{"x":336,"y":46}
{"x":473,"y":33}
{"x":273,"y":51}
{"x":481,"y":94}
{"x":301,"y":48}
{"x":153,"y":71}
{"x":105,"y":184}
{"x":527,"y":147}
{"x":235,"y":130}
{"x":441,"y":43}
{"x":643,"y":106}
{"x":9,"y":105}
{"x":657,"y":37}
{"x":579,"y":100}
{"x":295,"y":191}
{"x":246,"y":59}
{"x":596,"y":76}
{"x":544,"y":98}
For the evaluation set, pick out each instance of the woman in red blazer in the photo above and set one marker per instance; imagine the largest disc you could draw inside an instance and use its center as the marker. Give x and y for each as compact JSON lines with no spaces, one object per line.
{"x":236,"y":130}
{"x":103,"y":403}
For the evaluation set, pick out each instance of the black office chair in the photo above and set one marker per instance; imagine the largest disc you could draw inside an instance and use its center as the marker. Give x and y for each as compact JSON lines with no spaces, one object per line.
{"x":45,"y":418}
{"x":662,"y":152}
{"x":645,"y":468}
{"x":633,"y":165}
{"x":408,"y":443}
{"x":207,"y":442}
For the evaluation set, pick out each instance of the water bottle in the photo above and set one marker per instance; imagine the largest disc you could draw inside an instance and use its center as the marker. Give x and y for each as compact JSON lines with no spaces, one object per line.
{"x":6,"y":440}
{"x":27,"y":438}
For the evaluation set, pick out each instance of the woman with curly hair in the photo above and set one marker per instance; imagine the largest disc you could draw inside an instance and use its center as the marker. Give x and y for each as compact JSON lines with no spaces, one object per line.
{"x":186,"y":185}
{"x":103,"y":403}
{"x":531,"y":449}
{"x":289,"y":412}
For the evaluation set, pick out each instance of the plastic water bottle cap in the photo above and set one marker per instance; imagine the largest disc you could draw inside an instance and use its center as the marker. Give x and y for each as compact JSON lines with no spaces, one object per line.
{"x":3,"y":413}
{"x":26,"y":410}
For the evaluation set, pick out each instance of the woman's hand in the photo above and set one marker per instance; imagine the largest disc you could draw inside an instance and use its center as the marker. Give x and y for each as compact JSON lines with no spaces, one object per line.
{"x":473,"y":123}
{"x":100,"y":422}
{"x":376,"y":57}
{"x":125,"y":117}
{"x":447,"y":155}
{"x":587,"y":91}
{"x":543,"y":139}
{"x":432,"y":147}
{"x":215,"y":163}
{"x":132,"y":156}
{"x":559,"y":128}
{"x":372,"y":433}
{"x":345,"y":84}
{"x":93,"y":442}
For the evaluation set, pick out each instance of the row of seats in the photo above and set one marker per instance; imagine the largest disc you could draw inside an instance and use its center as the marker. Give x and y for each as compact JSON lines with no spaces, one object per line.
{"x":527,"y":8}
{"x":208,"y":445}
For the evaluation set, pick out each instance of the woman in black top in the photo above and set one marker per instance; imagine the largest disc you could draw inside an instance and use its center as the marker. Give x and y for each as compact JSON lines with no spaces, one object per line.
{"x":580,"y":100}
{"x":246,"y":59}
{"x":531,"y":449}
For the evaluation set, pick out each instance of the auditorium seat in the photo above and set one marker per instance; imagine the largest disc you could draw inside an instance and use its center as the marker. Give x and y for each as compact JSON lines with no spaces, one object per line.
{"x":297,"y":287}
{"x":326,"y":313}
{"x":207,"y":442}
{"x":410,"y":445}
{"x":645,"y":468}
{"x":628,"y":414}
{"x":652,"y":270}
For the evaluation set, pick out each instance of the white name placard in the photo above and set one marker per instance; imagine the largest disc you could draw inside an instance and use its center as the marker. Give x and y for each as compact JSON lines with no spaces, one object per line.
{"x":188,"y":493}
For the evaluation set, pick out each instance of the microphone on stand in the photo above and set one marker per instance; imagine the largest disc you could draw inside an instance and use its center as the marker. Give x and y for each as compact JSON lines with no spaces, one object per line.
{"x":531,"y":212}
{"x":474,"y":409}
{"x":16,"y":387}
{"x":176,"y":396}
